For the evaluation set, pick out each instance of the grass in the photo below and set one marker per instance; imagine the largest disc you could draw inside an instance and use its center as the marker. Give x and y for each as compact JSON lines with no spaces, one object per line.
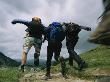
{"x":98,"y":61}
{"x":13,"y":74}
{"x":98,"y":57}
{"x":10,"y":74}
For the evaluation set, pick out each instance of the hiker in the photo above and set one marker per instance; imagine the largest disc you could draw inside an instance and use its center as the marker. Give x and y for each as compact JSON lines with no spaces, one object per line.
{"x":55,"y":37}
{"x":33,"y":38}
{"x":72,"y":30}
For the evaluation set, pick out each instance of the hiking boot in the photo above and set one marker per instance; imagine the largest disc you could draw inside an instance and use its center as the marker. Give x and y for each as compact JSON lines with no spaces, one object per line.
{"x":22,"y":68}
{"x":65,"y":76}
{"x":47,"y":77}
{"x":56,"y":58}
{"x":82,"y":65}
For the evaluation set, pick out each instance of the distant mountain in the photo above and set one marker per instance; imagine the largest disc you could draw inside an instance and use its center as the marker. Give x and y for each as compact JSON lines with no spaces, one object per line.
{"x":30,"y":62}
{"x":6,"y":61}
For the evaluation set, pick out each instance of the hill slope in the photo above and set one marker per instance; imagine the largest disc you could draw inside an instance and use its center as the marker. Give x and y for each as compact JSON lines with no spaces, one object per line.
{"x":98,"y":60}
{"x":6,"y":61}
{"x":98,"y":57}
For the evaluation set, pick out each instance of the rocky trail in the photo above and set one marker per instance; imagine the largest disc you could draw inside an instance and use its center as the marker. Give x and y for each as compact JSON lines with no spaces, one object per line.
{"x":39,"y":76}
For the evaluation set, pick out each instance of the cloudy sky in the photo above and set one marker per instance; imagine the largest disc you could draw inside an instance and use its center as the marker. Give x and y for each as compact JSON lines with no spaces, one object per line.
{"x":11,"y":36}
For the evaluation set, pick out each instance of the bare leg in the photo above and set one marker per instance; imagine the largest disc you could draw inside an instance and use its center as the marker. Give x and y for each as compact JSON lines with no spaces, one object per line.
{"x":24,"y":54}
{"x":23,"y":61}
{"x":24,"y":58}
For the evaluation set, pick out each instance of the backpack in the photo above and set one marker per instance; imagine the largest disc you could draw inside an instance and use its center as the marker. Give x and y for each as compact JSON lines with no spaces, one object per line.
{"x":56,"y":32}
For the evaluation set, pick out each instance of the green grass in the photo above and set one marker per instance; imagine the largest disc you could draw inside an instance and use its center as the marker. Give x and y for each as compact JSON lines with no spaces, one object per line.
{"x":98,"y":57}
{"x":10,"y":74}
{"x":14,"y":74}
{"x":98,"y":61}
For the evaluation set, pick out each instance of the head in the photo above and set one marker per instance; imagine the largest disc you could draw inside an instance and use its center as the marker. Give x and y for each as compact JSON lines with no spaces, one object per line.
{"x":70,"y":26}
{"x":36,"y":19}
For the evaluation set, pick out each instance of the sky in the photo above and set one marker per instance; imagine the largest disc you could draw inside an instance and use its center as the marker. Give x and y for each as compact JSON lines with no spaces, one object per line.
{"x":81,"y":12}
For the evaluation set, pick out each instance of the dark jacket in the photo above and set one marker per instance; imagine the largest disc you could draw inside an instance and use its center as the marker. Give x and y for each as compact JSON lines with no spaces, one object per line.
{"x":34,"y":29}
{"x":72,"y":34}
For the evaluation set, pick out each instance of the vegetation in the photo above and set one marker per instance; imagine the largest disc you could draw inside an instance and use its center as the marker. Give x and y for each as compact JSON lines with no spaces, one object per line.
{"x":6,"y":61}
{"x":9,"y":74}
{"x":98,"y":61}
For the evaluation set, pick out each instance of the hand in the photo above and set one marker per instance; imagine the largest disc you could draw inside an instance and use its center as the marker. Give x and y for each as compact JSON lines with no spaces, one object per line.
{"x":13,"y":22}
{"x":88,"y":29}
{"x":43,"y":40}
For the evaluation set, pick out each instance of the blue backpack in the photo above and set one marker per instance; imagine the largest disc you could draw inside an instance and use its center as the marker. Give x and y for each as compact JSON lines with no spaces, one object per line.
{"x":56,"y":32}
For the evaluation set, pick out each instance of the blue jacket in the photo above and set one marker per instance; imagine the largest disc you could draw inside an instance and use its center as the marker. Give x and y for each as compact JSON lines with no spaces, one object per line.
{"x":55,"y":32}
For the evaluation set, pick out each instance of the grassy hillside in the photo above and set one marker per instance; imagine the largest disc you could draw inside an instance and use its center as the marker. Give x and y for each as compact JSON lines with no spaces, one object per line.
{"x":98,"y":60}
{"x":6,"y":61}
{"x":98,"y":57}
{"x":10,"y":74}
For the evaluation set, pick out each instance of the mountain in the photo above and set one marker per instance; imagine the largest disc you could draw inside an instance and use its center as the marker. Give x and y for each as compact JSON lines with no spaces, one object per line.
{"x":6,"y":61}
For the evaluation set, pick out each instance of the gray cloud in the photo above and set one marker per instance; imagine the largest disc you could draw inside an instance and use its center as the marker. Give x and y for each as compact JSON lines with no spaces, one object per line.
{"x":82,"y":12}
{"x":21,"y":5}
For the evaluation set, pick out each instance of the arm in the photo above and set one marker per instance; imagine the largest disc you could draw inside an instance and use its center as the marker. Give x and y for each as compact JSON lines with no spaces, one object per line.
{"x":27,"y":23}
{"x":45,"y":38}
{"x":47,"y":30}
{"x":44,"y":32}
{"x":85,"y":28}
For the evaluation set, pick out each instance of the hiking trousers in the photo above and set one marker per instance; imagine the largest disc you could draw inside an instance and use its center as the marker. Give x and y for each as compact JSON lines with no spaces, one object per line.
{"x":72,"y":54}
{"x":52,"y":48}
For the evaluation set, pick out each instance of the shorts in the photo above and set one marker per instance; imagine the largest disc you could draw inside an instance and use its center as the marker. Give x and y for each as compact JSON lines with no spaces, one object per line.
{"x":32,"y":41}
